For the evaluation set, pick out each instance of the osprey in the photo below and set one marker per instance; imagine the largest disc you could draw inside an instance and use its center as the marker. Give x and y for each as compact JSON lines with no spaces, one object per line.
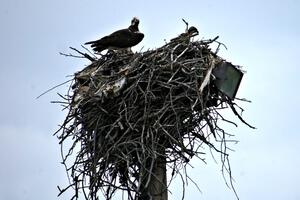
{"x":189,"y":33}
{"x":121,"y":39}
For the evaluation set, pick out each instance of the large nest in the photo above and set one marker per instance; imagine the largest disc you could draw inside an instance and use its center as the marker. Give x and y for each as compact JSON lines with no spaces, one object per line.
{"x":127,"y":110}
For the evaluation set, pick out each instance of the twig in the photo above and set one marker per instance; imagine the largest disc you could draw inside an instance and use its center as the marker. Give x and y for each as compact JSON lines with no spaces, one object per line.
{"x":83,"y":54}
{"x":238,"y":115}
{"x":187,"y":25}
{"x":54,"y":88}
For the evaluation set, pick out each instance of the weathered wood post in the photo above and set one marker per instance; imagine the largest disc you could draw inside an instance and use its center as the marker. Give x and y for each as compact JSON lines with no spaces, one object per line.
{"x":158,"y":183}
{"x":154,"y":185}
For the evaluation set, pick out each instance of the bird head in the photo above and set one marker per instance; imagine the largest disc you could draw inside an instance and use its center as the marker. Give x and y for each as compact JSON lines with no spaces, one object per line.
{"x":134,"y":24}
{"x":192,"y":31}
{"x":135,"y":21}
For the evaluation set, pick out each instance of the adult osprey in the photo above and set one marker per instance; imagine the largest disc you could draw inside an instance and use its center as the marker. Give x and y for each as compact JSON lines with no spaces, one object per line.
{"x":121,"y":39}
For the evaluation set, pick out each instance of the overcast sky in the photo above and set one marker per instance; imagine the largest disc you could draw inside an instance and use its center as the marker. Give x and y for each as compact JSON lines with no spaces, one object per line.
{"x":262,"y":36}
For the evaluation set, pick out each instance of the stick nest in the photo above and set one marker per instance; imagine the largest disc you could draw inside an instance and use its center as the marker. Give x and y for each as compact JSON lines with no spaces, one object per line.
{"x":126,"y":110}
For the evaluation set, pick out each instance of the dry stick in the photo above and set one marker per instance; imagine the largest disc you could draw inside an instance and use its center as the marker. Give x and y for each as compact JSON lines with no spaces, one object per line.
{"x":53,"y":88}
{"x":70,"y":55}
{"x":89,"y":51}
{"x":84,"y":55}
{"x":238,"y":115}
{"x":187,"y":25}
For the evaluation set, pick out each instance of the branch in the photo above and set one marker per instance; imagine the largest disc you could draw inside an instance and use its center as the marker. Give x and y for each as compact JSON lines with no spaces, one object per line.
{"x":238,"y":115}
{"x":84,"y":55}
{"x":53,"y":88}
{"x":187,"y":25}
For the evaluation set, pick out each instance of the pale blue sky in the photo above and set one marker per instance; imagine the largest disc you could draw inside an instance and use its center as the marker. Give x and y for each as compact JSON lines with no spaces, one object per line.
{"x":262,"y":36}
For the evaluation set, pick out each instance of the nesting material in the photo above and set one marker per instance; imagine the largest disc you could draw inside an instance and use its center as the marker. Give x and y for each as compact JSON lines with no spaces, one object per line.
{"x":126,"y":110}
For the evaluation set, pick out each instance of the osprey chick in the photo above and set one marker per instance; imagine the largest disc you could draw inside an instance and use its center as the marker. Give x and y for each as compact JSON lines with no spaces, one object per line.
{"x":121,"y":39}
{"x":186,"y":36}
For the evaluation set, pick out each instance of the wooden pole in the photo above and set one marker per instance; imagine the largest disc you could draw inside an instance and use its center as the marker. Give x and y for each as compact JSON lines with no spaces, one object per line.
{"x":158,"y":183}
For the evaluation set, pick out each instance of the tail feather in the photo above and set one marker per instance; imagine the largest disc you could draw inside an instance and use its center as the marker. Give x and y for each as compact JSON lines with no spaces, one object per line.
{"x":90,"y":42}
{"x":96,"y":46}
